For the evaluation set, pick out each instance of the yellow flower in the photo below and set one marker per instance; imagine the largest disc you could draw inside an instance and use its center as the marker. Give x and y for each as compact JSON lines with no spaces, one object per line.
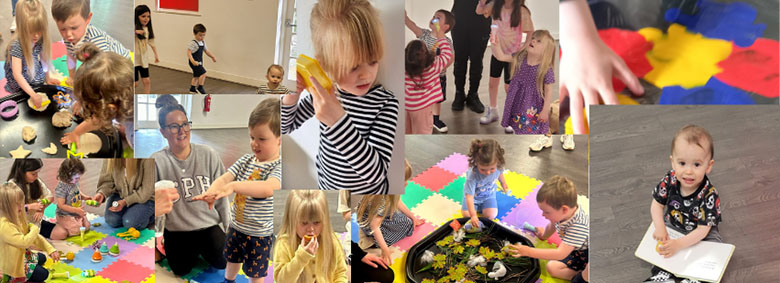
{"x":481,"y":269}
{"x":473,"y":242}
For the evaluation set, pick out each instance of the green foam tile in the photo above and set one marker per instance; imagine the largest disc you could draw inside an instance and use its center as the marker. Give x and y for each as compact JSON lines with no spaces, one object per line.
{"x":415,"y":194}
{"x":454,"y":190}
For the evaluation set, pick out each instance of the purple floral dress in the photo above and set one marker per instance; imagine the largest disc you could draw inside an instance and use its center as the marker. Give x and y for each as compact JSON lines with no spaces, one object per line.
{"x":524,"y":102}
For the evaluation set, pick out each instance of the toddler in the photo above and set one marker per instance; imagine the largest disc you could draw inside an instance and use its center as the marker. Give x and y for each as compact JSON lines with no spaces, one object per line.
{"x":308,"y":250}
{"x":275,"y":76}
{"x":557,"y":199}
{"x":357,"y":117}
{"x":144,"y":39}
{"x":486,"y":164}
{"x":387,"y":220}
{"x":70,"y":211}
{"x":195,"y":50}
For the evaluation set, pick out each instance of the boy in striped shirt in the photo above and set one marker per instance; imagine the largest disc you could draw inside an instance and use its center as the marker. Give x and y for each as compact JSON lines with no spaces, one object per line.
{"x":557,"y":199}
{"x":253,"y":178}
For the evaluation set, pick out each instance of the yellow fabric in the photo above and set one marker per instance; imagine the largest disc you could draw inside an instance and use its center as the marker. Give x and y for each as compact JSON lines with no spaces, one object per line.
{"x":292,"y":263}
{"x":13,"y":245}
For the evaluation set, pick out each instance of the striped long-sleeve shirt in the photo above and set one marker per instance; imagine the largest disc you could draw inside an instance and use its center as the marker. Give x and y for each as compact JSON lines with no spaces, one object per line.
{"x":574,"y":231}
{"x":423,"y":93}
{"x":101,"y":39}
{"x":354,"y":153}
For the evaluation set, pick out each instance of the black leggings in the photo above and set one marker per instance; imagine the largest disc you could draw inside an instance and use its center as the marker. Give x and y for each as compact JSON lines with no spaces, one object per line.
{"x":39,"y":274}
{"x":469,"y":46}
{"x":183,"y":248}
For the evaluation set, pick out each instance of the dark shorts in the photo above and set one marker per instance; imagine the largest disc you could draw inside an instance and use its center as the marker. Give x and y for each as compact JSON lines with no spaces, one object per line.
{"x":576,"y":260}
{"x":141,"y":72}
{"x":497,"y":66}
{"x":197,"y":71}
{"x":252,"y":251}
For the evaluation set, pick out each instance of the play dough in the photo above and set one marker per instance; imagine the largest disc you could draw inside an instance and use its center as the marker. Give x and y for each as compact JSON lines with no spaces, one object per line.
{"x":28,"y":133}
{"x":62,"y":119}
{"x":44,"y":104}
{"x":20,"y":152}
{"x":52,"y":149}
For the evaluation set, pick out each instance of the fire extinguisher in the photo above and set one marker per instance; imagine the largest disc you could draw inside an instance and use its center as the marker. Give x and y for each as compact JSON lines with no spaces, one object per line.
{"x":207,"y":103}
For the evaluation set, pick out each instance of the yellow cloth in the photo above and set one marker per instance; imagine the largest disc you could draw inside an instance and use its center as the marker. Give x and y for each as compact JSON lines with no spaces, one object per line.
{"x":291,"y":264}
{"x":13,"y":244}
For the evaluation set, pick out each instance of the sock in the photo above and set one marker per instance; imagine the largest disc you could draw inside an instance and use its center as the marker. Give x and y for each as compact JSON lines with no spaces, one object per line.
{"x":435,"y":118}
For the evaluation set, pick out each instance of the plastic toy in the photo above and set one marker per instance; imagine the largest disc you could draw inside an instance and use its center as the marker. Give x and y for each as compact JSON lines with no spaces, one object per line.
{"x":61,"y":275}
{"x":436,"y":24}
{"x":88,"y":273}
{"x":471,"y":229}
{"x":529,"y":227}
{"x":115,"y":204}
{"x":131,"y":234}
{"x":658,"y":246}
{"x":70,"y":256}
{"x":114,"y":251}
{"x":96,"y":224}
{"x":92,"y":202}
{"x":81,"y":232}
{"x":44,"y":201}
{"x":103,"y":249}
{"x":8,"y":109}
{"x":310,"y":67}
{"x":96,"y":257}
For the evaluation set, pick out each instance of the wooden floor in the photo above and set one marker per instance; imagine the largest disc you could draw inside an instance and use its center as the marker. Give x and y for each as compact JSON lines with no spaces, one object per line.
{"x":424,"y":151}
{"x":229,"y":143}
{"x":170,"y":81}
{"x":630,"y":154}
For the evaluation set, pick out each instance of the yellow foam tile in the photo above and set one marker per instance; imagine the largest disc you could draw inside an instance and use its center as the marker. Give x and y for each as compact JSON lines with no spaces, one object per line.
{"x":98,"y":279}
{"x":399,"y":268}
{"x":436,"y":209}
{"x":149,"y":279}
{"x":520,"y":185}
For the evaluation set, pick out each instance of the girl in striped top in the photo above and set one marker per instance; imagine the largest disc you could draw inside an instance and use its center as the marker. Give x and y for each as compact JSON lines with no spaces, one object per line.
{"x":357,"y":116}
{"x":422,"y":84}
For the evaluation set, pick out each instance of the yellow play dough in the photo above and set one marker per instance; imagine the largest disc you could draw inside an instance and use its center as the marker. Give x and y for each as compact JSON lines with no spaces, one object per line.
{"x":681,"y":58}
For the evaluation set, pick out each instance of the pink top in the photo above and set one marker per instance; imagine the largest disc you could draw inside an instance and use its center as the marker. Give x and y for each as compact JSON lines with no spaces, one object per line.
{"x":429,"y":90}
{"x":509,"y":38}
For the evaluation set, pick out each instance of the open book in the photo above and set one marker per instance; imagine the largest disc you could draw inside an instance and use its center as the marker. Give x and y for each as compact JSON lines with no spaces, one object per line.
{"x":704,"y":261}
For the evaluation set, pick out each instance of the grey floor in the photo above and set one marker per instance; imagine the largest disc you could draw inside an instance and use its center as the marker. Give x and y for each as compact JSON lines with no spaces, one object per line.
{"x":630,"y":154}
{"x":424,"y":151}
{"x":231,"y":144}
{"x":170,"y":81}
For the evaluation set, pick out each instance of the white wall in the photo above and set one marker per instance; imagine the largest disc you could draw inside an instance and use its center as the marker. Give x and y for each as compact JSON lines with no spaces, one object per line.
{"x":544,"y":13}
{"x":240,"y":33}
{"x":300,"y":148}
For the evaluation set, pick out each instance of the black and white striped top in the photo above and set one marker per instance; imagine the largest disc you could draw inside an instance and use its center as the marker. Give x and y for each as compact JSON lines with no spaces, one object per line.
{"x":354,"y":154}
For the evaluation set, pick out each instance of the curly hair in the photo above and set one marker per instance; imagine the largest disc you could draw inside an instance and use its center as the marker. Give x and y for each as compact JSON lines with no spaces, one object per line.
{"x":104,"y":85}
{"x":557,"y":192}
{"x":68,"y":168}
{"x":486,"y":152}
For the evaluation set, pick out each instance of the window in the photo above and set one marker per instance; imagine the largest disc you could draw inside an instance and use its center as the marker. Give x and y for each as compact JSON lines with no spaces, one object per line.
{"x":286,"y":37}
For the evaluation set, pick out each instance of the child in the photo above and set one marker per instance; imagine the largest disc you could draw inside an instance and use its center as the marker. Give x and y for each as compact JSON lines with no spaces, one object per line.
{"x":306,"y":225}
{"x":24,"y":173}
{"x":557,"y":199}
{"x":104,"y":88}
{"x":387,"y":220}
{"x":357,"y":117}
{"x":29,"y":54}
{"x":486,"y":162}
{"x":72,"y":18}
{"x":444,"y":20}
{"x":511,"y":18}
{"x":275,"y":76}
{"x":144,"y":38}
{"x":195,"y":50}
{"x":254,"y":177}
{"x":70,"y":211}
{"x":685,"y":200}
{"x":18,"y":262}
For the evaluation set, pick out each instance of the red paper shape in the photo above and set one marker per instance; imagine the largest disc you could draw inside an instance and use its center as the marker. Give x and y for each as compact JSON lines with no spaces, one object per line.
{"x":455,"y":224}
{"x":632,"y":47}
{"x":753,"y":68}
{"x":434,"y":178}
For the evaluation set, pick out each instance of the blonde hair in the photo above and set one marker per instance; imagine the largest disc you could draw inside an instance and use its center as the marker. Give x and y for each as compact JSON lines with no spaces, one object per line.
{"x":105,"y":79}
{"x":120,"y":164}
{"x":557,"y":192}
{"x":695,"y":135}
{"x":350,"y":27}
{"x":311,"y":205}
{"x":11,"y":199}
{"x":372,"y":203}
{"x":548,"y":58}
{"x":31,"y":18}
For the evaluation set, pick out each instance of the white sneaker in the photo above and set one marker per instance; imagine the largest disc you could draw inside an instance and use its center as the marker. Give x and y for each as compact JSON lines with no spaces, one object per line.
{"x":13,"y":25}
{"x":541,"y":143}
{"x":567,"y":142}
{"x":509,"y":130}
{"x":690,"y":281}
{"x":491,"y":115}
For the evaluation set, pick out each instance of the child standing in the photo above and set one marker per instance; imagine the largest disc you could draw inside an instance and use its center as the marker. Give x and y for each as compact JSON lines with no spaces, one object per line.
{"x":104,"y":88}
{"x":144,"y":39}
{"x":486,"y":162}
{"x":685,"y":200}
{"x":275,"y":76}
{"x":72,"y":18}
{"x":357,"y":117}
{"x":28,"y":52}
{"x":16,"y":238}
{"x":511,"y":18}
{"x":387,"y":220}
{"x":306,"y":225}
{"x":195,"y":50}
{"x":70,"y":213}
{"x":442,"y":20}
{"x":254,"y":178}
{"x":24,"y":173}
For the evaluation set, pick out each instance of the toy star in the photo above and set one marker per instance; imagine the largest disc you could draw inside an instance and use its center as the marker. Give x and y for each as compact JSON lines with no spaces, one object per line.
{"x":20,"y":152}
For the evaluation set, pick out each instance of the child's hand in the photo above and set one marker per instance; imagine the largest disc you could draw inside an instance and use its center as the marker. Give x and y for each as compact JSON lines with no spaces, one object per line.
{"x":121,"y":205}
{"x":475,"y":221}
{"x":544,"y":116}
{"x":69,"y":138}
{"x":55,"y":256}
{"x":79,"y":211}
{"x":85,"y":197}
{"x":37,"y":100}
{"x":417,"y":221}
{"x":660,"y":235}
{"x":214,"y":193}
{"x":37,"y":217}
{"x":52,"y":81}
{"x":312,"y":246}
{"x":327,"y":107}
{"x":540,"y":233}
{"x":139,"y":31}
{"x":35,"y":207}
{"x":386,"y":256}
{"x":156,"y":59}
{"x":518,"y":250}
{"x":214,"y":59}
{"x":69,"y":81}
{"x":669,"y":247}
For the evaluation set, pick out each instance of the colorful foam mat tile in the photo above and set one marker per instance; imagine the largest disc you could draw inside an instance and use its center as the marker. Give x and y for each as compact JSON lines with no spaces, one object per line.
{"x":399,"y":268}
{"x":122,"y":270}
{"x":420,"y":232}
{"x":545,"y":276}
{"x":218,"y":275}
{"x":434,"y":178}
{"x":140,"y":255}
{"x":90,"y":237}
{"x":74,"y":273}
{"x":436,"y":209}
{"x":520,"y":185}
{"x":454,"y":190}
{"x":103,"y":228}
{"x":456,"y":163}
{"x":505,"y":203}
{"x":83,"y":261}
{"x":414,"y":194}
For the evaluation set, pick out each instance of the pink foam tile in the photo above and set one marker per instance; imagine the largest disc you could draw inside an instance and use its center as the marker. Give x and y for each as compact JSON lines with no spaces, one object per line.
{"x":58,"y":49}
{"x":122,"y":270}
{"x":419,"y":233}
{"x":456,"y":163}
{"x":124,"y":246}
{"x":142,"y":256}
{"x":434,"y":178}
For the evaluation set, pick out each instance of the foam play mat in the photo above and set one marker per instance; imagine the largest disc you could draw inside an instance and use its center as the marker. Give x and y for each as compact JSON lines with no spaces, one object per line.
{"x":435,"y":196}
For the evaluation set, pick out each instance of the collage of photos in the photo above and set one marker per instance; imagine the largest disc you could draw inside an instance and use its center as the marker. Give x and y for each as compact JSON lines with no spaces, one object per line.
{"x":284,"y":141}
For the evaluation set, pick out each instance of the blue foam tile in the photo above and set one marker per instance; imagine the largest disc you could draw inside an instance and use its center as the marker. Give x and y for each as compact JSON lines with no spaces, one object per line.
{"x":505,"y":203}
{"x":218,"y":275}
{"x":714,"y":92}
{"x":103,"y":228}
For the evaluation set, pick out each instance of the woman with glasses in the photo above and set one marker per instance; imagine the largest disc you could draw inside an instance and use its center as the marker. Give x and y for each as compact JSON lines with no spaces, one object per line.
{"x":191,"y":228}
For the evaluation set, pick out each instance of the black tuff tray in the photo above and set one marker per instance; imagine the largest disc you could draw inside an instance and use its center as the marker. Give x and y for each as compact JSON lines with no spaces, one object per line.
{"x":11,"y":129}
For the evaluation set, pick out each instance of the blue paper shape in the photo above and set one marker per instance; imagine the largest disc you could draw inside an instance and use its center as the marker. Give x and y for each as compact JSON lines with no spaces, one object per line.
{"x":732,"y":21}
{"x":714,"y":92}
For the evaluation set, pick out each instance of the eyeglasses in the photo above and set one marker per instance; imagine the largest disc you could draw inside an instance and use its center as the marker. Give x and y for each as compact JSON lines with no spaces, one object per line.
{"x":176,"y":128}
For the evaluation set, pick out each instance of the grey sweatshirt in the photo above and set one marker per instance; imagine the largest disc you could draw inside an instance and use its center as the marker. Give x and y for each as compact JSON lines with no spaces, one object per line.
{"x":192,"y":177}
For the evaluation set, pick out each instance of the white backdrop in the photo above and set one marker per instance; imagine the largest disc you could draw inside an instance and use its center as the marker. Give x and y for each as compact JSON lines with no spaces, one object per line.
{"x":300,"y":147}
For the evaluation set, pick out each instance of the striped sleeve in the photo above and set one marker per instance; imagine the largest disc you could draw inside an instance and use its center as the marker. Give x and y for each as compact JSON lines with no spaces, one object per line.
{"x":445,"y":56}
{"x":239,"y":167}
{"x":576,"y":232}
{"x":276,"y":172}
{"x":293,"y":116}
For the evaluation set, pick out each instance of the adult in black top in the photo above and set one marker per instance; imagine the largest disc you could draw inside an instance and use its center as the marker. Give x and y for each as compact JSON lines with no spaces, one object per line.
{"x":469,"y":37}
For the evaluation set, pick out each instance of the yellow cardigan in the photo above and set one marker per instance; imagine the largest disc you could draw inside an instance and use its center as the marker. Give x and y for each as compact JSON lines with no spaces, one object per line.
{"x":290,"y":264}
{"x":13,"y":244}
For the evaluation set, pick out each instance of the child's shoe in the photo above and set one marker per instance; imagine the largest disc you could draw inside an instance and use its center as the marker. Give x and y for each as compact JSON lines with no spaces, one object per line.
{"x":490,"y":116}
{"x":509,"y":130}
{"x":578,"y":278}
{"x":439,"y":125}
{"x":13,"y":24}
{"x":660,"y":276}
{"x":541,"y":143}
{"x":567,"y":142}
{"x":192,"y":89}
{"x":201,"y":90}
{"x":689,"y":281}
